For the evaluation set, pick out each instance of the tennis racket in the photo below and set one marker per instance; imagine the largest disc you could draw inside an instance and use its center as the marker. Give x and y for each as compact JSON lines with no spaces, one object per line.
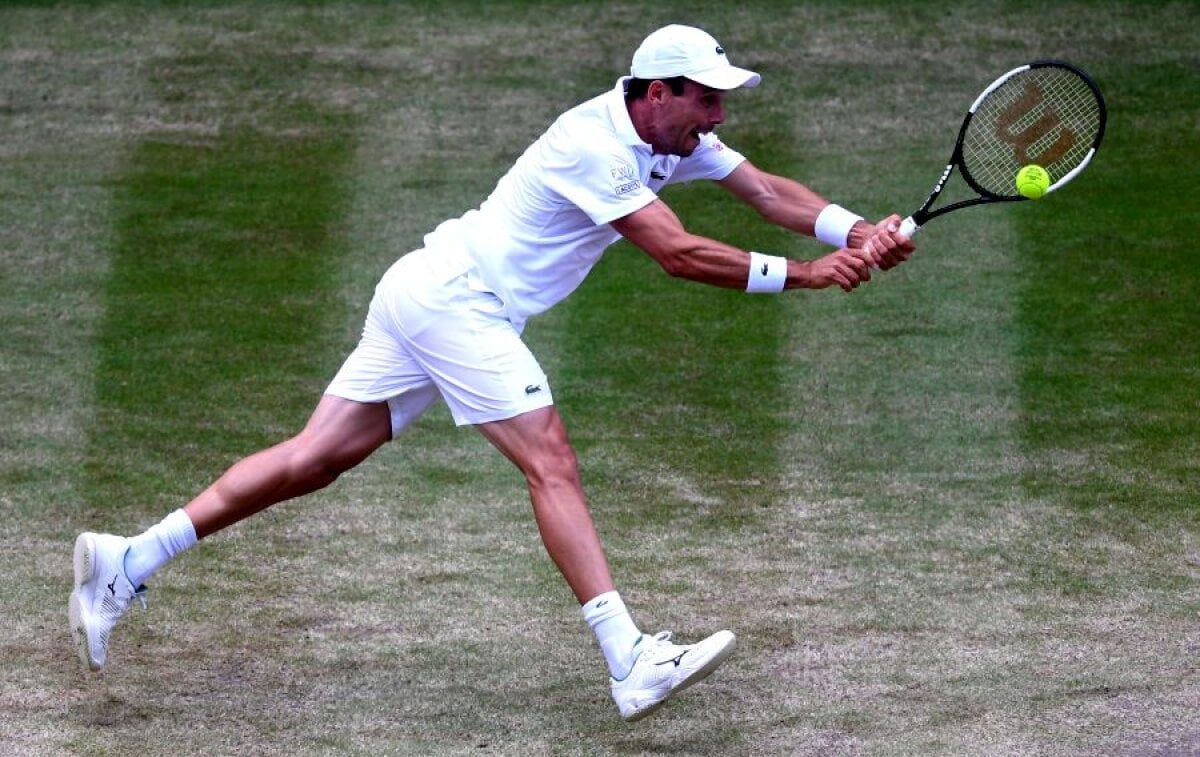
{"x":1047,"y":113}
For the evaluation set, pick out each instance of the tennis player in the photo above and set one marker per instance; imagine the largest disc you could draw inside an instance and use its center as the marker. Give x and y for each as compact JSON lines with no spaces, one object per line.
{"x":445,"y":324}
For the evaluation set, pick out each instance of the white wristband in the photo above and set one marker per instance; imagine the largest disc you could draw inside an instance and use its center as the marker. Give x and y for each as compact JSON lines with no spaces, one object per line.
{"x":768,"y":274}
{"x":834,"y":223}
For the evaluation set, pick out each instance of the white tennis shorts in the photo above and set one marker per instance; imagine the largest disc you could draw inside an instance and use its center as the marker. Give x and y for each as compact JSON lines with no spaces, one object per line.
{"x":433,"y":330}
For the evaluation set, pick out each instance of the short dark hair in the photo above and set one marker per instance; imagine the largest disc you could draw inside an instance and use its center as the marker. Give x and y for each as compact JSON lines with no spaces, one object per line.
{"x":636,"y":88}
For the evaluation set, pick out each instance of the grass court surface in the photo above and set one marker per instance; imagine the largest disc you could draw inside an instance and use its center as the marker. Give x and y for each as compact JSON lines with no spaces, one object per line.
{"x":951,"y":513}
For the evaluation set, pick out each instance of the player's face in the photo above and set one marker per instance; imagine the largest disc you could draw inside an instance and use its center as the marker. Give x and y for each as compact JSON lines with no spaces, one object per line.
{"x":683,"y":118}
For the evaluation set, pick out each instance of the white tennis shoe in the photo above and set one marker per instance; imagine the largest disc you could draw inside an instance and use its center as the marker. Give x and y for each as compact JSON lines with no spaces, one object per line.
{"x":101,"y":595}
{"x":663,"y":668}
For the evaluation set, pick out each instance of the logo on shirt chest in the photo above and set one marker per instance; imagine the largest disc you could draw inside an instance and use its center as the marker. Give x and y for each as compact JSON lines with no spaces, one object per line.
{"x":660,"y":171}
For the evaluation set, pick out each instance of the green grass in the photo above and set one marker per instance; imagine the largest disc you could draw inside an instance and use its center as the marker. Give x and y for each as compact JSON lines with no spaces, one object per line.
{"x":1110,"y":359}
{"x":219,"y":295}
{"x":951,"y":513}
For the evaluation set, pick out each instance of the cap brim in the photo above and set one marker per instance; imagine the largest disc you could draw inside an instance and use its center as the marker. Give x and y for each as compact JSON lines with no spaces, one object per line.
{"x":726,"y":77}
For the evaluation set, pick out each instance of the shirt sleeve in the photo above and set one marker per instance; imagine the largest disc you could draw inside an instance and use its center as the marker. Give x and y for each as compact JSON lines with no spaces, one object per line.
{"x":713,"y":160}
{"x":600,"y":176}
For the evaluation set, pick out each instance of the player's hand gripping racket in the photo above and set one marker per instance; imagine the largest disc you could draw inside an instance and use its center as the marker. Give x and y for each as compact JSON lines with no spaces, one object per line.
{"x":1047,"y":113}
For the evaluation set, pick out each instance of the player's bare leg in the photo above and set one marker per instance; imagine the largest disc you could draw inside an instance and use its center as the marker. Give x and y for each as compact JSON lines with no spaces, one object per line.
{"x":340,"y":434}
{"x":109,"y":570}
{"x":646,"y":670}
{"x":536,"y":442}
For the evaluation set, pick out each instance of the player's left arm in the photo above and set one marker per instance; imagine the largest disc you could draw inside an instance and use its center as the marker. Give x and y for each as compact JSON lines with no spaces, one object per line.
{"x":657,"y":230}
{"x":788,"y":203}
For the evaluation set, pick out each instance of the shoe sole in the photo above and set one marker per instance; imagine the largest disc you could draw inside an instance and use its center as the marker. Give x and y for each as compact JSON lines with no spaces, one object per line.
{"x":696,"y":677}
{"x":83,"y":563}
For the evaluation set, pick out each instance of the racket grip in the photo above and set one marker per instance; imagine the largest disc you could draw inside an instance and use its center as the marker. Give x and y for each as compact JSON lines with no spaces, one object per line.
{"x":908,"y":227}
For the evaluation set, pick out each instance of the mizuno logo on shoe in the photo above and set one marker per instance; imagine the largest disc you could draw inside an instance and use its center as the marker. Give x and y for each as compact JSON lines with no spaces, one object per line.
{"x":112,"y":587}
{"x":675,"y":660}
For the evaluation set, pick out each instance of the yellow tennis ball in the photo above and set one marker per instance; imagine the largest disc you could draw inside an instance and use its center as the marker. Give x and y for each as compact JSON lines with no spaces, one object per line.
{"x":1032,"y":181}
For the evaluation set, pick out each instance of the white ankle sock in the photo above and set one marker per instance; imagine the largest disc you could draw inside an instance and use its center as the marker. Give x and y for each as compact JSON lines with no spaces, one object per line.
{"x":615,"y":631}
{"x":153,"y":549}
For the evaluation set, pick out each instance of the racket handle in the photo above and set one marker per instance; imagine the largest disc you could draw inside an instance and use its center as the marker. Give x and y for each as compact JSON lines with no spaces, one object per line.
{"x":908,"y":227}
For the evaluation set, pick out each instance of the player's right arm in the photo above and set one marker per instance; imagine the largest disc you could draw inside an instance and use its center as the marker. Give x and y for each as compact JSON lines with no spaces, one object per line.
{"x":791,"y":205}
{"x":657,"y":230}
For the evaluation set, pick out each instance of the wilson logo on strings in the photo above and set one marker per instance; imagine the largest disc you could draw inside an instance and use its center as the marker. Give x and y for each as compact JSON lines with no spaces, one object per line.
{"x":1045,"y":120}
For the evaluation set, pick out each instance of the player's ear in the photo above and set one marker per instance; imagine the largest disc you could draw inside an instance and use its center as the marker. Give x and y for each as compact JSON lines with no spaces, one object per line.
{"x":657,"y":91}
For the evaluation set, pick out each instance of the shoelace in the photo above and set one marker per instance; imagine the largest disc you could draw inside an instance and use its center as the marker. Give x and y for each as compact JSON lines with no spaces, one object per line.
{"x":655,"y":642}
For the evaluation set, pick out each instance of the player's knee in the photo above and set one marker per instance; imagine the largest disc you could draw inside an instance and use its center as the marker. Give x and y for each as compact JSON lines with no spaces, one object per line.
{"x":554,"y":465}
{"x":314,"y":471}
{"x":316,"y":464}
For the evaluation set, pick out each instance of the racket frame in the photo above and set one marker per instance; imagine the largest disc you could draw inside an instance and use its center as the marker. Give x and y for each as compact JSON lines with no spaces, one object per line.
{"x":926,"y":212}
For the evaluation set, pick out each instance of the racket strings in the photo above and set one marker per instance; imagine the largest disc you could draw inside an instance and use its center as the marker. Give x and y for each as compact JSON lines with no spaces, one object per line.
{"x":1048,"y":116}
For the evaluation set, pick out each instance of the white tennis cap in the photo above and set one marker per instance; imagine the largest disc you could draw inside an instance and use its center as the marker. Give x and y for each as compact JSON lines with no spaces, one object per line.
{"x":678,"y":50}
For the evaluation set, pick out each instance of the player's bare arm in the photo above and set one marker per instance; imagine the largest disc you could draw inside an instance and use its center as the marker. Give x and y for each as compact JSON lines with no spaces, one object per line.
{"x":657,"y":230}
{"x":788,"y":203}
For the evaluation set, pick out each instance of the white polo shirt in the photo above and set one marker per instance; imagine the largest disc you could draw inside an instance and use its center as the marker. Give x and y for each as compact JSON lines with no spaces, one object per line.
{"x":546,"y":223}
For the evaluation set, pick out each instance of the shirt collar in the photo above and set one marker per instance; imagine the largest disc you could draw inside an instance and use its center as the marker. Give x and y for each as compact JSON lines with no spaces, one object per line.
{"x":619,"y":114}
